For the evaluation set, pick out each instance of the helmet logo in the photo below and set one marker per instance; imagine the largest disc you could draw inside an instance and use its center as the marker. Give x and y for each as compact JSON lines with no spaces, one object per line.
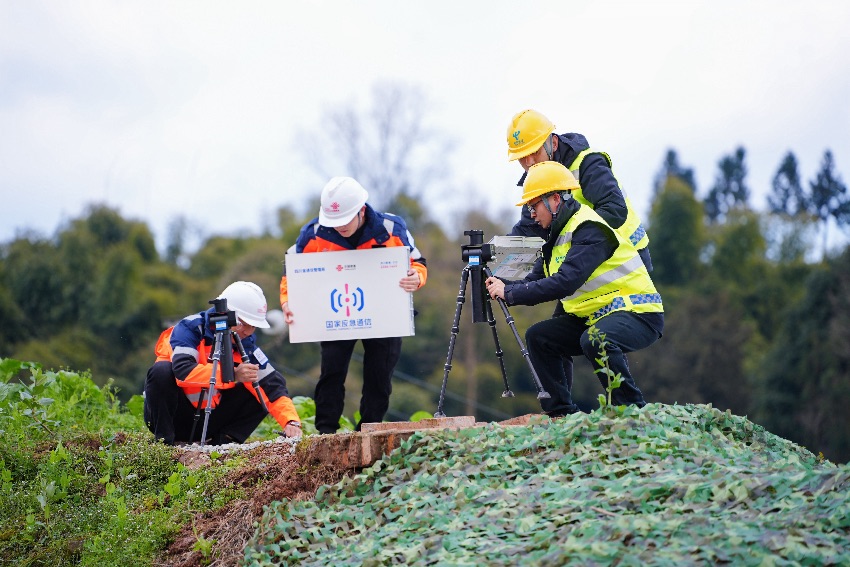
{"x":334,"y":207}
{"x":517,"y":141}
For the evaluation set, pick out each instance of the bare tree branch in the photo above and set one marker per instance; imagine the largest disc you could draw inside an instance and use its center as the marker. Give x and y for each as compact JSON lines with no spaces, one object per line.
{"x":387,"y":148}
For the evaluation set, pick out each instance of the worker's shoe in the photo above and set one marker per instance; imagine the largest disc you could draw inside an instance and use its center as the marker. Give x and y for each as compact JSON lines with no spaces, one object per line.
{"x":569,"y":410}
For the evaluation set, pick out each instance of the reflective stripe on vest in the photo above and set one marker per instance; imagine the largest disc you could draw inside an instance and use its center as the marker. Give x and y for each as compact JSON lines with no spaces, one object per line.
{"x":605,"y":278}
{"x":632,"y":230}
{"x":620,"y":303}
{"x":193,"y":352}
{"x":194,"y":396}
{"x":619,"y":283}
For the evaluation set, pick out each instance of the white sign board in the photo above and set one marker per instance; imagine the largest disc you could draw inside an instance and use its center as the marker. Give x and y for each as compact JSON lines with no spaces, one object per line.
{"x":349,"y":294}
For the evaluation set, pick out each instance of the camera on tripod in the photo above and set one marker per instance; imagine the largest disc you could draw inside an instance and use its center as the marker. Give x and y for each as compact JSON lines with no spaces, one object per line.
{"x":477,"y":251}
{"x":476,"y":254}
{"x":221,"y":321}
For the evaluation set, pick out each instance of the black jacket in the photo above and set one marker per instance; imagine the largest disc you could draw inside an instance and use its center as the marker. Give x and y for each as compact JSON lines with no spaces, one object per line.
{"x":598,"y":185}
{"x":597,"y":181}
{"x":592,"y":244}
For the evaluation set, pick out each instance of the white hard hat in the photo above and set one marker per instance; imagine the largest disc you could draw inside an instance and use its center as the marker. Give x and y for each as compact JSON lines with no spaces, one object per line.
{"x":247,"y":299}
{"x":342,"y":199}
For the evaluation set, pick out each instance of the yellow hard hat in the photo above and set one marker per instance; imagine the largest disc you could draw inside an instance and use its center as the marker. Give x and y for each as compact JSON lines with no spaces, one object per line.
{"x":546,"y":177}
{"x":527,"y":132}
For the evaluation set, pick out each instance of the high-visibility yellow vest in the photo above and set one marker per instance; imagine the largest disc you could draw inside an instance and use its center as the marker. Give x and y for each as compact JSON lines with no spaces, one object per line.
{"x":632,"y":230}
{"x":621,"y":283}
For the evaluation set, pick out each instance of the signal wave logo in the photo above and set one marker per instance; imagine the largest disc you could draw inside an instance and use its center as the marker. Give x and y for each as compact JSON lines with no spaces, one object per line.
{"x":347,"y":299}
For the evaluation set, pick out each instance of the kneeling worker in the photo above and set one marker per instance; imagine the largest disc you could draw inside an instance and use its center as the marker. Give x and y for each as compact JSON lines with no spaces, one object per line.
{"x":600,"y":280}
{"x":178,"y":382}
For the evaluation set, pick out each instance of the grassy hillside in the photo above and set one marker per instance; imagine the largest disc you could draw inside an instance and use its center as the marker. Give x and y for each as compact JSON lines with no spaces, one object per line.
{"x":82,"y":483}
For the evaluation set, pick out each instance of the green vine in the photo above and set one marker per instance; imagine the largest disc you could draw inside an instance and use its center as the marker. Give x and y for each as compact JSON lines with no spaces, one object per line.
{"x":599,"y":339}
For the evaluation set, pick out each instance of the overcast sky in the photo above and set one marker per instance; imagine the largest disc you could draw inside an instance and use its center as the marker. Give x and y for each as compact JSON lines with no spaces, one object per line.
{"x":161,"y":108}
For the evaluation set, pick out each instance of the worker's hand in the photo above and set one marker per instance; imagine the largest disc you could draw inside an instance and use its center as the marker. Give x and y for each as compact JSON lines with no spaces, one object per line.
{"x":287,"y":313}
{"x":495,"y":287}
{"x":292,"y":430}
{"x":410,"y":282}
{"x":246,"y":372}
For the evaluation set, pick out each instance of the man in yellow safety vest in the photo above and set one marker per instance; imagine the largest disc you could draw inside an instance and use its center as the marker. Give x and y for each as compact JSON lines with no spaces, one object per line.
{"x":531,"y":139}
{"x":599,"y":279}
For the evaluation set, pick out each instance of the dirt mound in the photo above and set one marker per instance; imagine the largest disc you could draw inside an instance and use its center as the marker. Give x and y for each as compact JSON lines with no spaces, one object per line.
{"x":270,"y":473}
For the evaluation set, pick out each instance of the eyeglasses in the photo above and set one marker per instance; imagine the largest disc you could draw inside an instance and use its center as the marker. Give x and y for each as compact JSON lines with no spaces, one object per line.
{"x":532,"y":206}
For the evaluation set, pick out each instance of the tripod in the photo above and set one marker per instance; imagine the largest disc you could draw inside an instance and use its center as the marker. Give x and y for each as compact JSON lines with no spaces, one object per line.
{"x":221,"y":322}
{"x":220,"y":332}
{"x":216,"y":359}
{"x":477,"y":254}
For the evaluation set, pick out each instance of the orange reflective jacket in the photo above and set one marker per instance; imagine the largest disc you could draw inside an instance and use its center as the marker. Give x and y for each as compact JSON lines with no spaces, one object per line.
{"x":280,"y":406}
{"x":379,"y":229}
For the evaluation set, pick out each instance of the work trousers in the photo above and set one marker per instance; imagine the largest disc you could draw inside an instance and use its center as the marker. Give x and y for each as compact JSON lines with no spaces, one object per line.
{"x":380,"y":357}
{"x":170,"y":415}
{"x":552,"y":344}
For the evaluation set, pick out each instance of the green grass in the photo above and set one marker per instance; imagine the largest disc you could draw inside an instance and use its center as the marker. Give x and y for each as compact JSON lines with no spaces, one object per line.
{"x":81,"y":480}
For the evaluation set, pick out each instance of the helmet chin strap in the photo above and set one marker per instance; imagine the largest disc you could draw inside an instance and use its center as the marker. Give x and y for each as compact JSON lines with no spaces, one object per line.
{"x":556,"y":211}
{"x":547,"y":147}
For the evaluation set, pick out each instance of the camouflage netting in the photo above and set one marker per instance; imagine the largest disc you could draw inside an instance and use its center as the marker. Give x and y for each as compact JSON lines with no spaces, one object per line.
{"x":662,"y":486}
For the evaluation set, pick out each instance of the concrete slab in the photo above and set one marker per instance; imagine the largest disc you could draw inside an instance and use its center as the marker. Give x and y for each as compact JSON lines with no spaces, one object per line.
{"x":354,"y":450}
{"x":361,"y":449}
{"x":460,"y":422}
{"x":528,"y":419}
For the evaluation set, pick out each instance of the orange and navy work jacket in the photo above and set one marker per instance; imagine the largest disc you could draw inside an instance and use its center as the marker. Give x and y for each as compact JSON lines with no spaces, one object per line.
{"x":188,"y":346}
{"x":379,"y":230}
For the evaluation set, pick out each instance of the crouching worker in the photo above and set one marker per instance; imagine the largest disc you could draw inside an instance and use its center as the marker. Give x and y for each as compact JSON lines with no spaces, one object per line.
{"x":600,"y":280}
{"x":177,"y":385}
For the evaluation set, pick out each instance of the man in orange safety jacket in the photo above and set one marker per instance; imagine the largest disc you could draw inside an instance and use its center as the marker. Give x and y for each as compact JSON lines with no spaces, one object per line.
{"x":177,"y":385}
{"x":347,"y":222}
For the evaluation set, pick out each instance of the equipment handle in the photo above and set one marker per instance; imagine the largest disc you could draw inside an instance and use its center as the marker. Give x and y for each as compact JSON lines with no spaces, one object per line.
{"x":245,"y":358}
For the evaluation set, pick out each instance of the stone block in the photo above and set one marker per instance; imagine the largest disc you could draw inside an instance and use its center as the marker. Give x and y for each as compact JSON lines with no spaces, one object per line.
{"x":527,"y":419}
{"x":460,"y":422}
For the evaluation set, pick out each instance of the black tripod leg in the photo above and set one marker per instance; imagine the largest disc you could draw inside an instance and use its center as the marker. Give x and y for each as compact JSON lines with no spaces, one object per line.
{"x":197,"y":414}
{"x":541,"y":392}
{"x":491,"y":320}
{"x":461,"y":298}
{"x":216,"y":359}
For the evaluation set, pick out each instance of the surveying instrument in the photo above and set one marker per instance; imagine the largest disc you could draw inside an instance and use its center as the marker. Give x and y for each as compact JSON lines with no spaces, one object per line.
{"x":476,"y":254}
{"x":221,"y":321}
